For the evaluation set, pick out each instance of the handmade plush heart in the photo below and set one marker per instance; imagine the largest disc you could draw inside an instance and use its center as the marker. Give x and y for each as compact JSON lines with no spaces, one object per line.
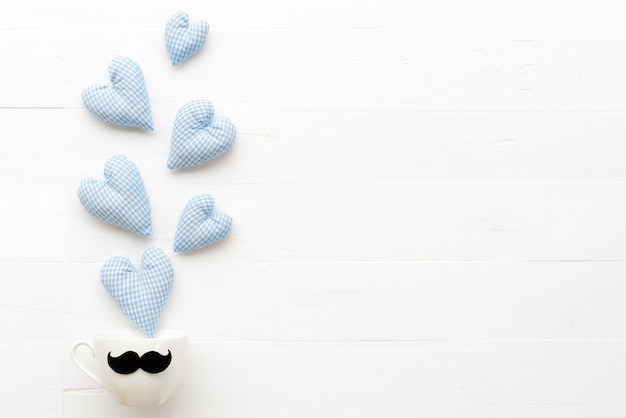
{"x":140,"y":294}
{"x":198,"y":226}
{"x":125,"y":102}
{"x":120,"y":199}
{"x":196,"y":137}
{"x":182,"y":39}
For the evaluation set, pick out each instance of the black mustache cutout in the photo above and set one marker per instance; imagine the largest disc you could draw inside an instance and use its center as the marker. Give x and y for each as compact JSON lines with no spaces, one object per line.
{"x":129,"y":362}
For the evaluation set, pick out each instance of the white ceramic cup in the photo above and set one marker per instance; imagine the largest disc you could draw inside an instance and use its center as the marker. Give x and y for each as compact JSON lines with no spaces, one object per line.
{"x":130,"y":376}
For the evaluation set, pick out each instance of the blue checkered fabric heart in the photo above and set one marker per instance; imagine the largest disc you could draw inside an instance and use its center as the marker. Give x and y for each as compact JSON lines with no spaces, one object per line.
{"x":182,"y":39}
{"x":125,"y":102}
{"x":120,"y":199}
{"x":197,"y":137}
{"x":140,"y":294}
{"x":198,"y":226}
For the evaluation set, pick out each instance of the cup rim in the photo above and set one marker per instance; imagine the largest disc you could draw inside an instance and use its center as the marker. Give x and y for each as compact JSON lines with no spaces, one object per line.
{"x":127,"y":334}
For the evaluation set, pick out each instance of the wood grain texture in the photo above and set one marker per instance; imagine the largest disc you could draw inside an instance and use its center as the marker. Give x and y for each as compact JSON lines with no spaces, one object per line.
{"x":428,"y":203}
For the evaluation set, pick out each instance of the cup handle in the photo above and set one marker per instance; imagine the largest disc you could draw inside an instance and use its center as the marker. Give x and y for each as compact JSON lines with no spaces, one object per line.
{"x":82,"y":366}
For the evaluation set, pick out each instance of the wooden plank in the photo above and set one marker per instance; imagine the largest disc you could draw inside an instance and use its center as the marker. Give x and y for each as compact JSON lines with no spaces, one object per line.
{"x":543,"y":379}
{"x":446,"y":14}
{"x":377,"y":222}
{"x":33,"y":71}
{"x":565,"y":222}
{"x":311,"y":380}
{"x":51,"y":151}
{"x":501,"y":67}
{"x":402,"y":301}
{"x":330,"y":302}
{"x":31,"y":380}
{"x":406,"y":144}
{"x":533,"y":379}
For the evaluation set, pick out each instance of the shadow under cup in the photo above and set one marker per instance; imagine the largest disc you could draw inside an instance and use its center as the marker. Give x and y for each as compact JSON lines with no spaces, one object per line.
{"x":135,"y":370}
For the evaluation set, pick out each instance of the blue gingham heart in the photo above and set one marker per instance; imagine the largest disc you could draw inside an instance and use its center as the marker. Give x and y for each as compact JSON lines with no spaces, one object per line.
{"x":182,"y":39}
{"x":198,"y":226}
{"x":125,"y":102}
{"x":120,"y":199}
{"x":140,"y":294}
{"x":197,"y":137}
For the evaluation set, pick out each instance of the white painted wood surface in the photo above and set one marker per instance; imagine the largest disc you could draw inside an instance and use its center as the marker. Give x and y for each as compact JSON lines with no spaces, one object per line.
{"x":428,"y":201}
